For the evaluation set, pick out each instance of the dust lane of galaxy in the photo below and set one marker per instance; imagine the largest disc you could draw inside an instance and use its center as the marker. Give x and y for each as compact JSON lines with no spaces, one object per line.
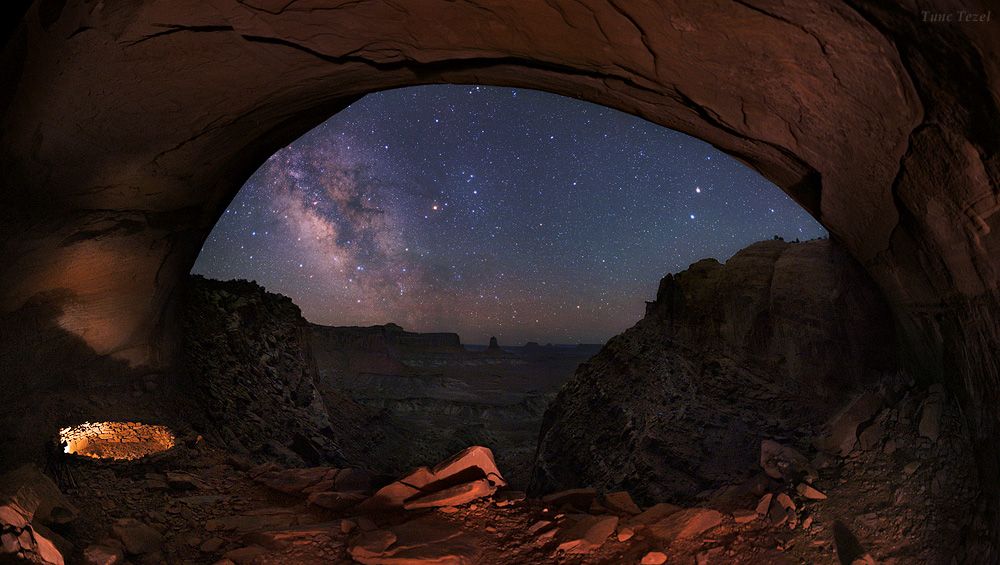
{"x":490,"y":211}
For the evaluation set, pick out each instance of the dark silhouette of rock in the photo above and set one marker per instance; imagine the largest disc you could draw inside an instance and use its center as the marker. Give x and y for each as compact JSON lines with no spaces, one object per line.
{"x":772,"y":343}
{"x":247,"y":354}
{"x":494,"y":346}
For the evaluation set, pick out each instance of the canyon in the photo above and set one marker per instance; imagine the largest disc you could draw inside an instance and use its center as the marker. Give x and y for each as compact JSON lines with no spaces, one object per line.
{"x":756,"y":414}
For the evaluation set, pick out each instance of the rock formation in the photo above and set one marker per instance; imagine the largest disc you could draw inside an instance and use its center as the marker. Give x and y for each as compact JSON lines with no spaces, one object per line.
{"x":878,"y":123}
{"x":248,"y":359}
{"x":769,"y":344}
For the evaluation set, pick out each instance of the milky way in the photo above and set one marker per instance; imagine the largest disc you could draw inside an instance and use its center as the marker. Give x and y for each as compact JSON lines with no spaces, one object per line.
{"x":489,"y":211}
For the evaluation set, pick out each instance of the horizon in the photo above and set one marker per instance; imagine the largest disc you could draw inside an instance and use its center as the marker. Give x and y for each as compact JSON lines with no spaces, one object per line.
{"x":433,"y":207}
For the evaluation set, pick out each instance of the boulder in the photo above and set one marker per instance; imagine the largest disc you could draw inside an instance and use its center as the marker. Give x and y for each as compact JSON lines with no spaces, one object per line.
{"x":472,"y":464}
{"x":452,"y":496}
{"x":51,"y":507}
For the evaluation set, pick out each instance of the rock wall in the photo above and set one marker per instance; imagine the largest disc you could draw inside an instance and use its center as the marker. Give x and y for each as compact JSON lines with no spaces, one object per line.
{"x":249,"y":365}
{"x":768,"y":345}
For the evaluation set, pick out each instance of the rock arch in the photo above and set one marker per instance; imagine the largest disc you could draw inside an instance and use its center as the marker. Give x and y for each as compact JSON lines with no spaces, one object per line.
{"x":127,"y":127}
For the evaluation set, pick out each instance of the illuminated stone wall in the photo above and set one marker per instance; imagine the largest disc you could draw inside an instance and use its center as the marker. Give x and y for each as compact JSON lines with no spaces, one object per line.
{"x":116,"y":440}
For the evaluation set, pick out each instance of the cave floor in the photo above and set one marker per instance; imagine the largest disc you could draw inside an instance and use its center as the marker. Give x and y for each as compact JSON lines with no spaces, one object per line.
{"x":898,"y":498}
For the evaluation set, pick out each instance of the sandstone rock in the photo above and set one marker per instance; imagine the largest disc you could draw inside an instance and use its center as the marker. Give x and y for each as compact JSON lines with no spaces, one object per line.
{"x":620,"y":502}
{"x":471,"y":464}
{"x":686,"y":523}
{"x":138,"y":538}
{"x":452,"y":496}
{"x":98,"y":554}
{"x":587,"y":534}
{"x":49,"y":504}
{"x":654,"y":558}
{"x":625,"y":533}
{"x":809,"y":492}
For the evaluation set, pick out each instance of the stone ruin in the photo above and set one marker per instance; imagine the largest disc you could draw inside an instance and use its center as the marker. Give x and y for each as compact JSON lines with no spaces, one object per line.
{"x":116,"y":440}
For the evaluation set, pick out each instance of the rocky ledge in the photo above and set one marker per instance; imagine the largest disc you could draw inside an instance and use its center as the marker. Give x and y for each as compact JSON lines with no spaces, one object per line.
{"x":768,"y":345}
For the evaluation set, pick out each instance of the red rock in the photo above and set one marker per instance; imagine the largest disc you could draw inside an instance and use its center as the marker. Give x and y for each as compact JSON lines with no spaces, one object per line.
{"x":685,"y":523}
{"x":471,"y":464}
{"x":587,"y":534}
{"x":47,"y":504}
{"x":620,"y":502}
{"x":809,"y":492}
{"x":625,"y":533}
{"x":475,"y":458}
{"x":654,"y":558}
{"x":452,"y":496}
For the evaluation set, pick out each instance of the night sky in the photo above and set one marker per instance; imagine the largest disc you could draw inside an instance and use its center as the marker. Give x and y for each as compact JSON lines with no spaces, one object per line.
{"x":490,"y":211}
